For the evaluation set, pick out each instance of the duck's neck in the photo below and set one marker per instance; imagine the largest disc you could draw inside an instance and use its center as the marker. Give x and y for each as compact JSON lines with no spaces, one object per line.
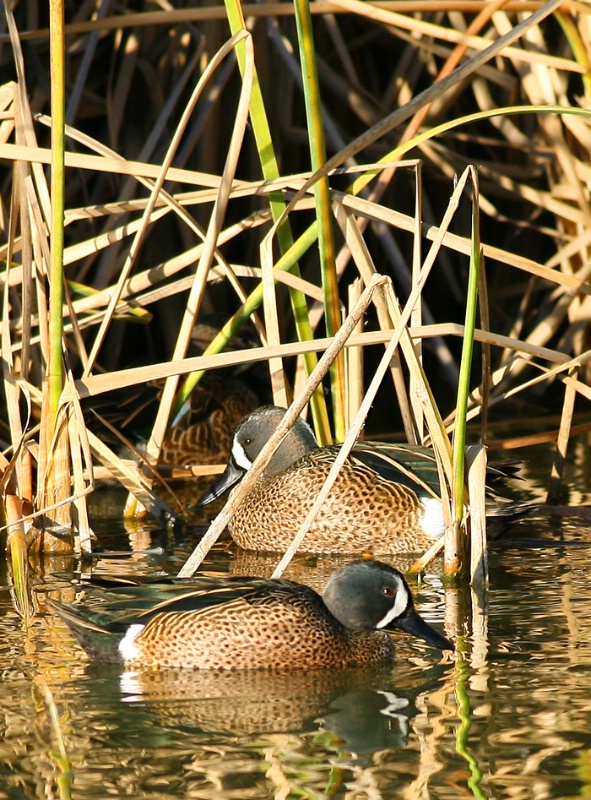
{"x":298,"y":443}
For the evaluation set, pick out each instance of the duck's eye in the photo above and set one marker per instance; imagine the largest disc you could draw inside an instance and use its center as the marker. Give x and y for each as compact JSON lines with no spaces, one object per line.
{"x":247,"y":441}
{"x":388,"y":591}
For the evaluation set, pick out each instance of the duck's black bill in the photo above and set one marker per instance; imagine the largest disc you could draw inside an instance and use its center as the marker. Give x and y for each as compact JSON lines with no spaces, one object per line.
{"x":414,"y":624}
{"x":231,"y":475}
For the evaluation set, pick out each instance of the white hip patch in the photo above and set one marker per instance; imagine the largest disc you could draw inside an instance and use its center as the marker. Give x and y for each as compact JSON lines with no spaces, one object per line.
{"x":127,"y":647}
{"x":433,"y":522}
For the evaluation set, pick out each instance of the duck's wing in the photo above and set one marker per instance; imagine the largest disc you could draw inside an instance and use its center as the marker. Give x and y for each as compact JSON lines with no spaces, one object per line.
{"x":130,"y":604}
{"x":410,"y":465}
{"x":415,"y":465}
{"x":207,"y":593}
{"x":100,"y":627}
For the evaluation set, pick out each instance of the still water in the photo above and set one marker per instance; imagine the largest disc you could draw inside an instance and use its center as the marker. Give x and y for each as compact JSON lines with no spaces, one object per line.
{"x":508,"y":718}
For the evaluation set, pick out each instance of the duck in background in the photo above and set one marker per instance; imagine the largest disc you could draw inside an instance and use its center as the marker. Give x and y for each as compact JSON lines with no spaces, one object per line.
{"x":202,"y":432}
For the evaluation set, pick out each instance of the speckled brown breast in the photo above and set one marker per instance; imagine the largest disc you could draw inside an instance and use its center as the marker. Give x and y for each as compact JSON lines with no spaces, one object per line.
{"x":284,"y":631}
{"x":363,"y":512}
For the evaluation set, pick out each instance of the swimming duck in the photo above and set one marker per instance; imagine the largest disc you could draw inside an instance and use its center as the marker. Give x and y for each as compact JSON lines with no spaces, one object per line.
{"x":251,"y":623}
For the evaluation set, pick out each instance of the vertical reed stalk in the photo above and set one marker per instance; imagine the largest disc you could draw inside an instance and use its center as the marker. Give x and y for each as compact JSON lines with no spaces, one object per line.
{"x":354,"y":361}
{"x":476,"y":461}
{"x":270,"y":169}
{"x":57,"y":536}
{"x":16,"y":544}
{"x":323,"y":205}
{"x":566,"y":421}
{"x":55,"y":375}
{"x":455,"y":543}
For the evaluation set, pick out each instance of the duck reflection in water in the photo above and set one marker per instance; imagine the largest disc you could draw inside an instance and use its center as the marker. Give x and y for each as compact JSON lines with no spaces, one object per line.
{"x":362,"y":711}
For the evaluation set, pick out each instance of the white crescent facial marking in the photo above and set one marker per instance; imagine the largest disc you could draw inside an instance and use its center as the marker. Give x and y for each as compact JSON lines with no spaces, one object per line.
{"x":240,"y":457}
{"x":433,"y":521}
{"x":401,"y":602}
{"x":127,"y":647}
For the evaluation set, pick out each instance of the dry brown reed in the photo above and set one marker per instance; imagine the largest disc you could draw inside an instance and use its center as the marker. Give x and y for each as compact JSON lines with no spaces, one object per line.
{"x":167,"y":214}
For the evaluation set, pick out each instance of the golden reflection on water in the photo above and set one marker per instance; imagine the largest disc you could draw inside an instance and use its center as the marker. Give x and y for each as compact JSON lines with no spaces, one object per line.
{"x":512,"y":719}
{"x":386,"y":734}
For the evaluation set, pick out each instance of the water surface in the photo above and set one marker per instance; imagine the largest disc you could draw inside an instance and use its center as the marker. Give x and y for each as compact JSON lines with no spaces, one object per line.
{"x":509,"y":718}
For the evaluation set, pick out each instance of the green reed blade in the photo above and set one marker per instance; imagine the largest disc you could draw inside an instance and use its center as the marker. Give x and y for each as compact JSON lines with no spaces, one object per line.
{"x":286,"y":263}
{"x":270,"y":169}
{"x":398,"y":152}
{"x":459,"y":439}
{"x":573,"y":35}
{"x":58,"y":182}
{"x":326,"y":246}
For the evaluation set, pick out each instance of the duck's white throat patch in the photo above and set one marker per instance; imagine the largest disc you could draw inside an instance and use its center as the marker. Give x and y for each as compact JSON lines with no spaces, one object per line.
{"x":401,"y":602}
{"x":240,"y":457}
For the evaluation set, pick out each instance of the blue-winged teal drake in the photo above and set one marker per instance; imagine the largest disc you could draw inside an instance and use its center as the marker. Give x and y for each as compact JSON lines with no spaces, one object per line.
{"x":384,"y":501}
{"x":252,"y":623}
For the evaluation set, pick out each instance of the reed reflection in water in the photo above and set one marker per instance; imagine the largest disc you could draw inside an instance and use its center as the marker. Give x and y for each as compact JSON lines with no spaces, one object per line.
{"x":512,"y":719}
